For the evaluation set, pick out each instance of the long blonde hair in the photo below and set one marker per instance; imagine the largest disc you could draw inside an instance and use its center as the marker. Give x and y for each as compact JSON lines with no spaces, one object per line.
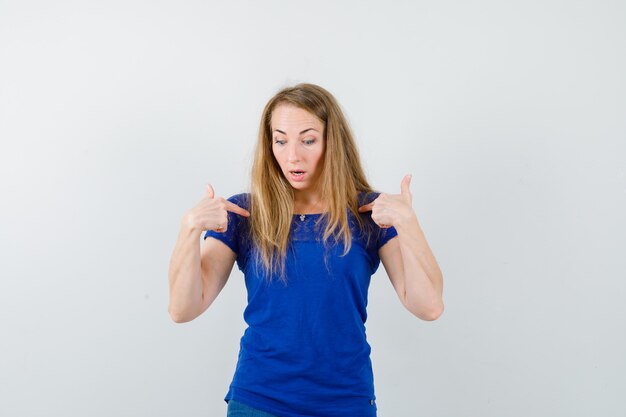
{"x":272,"y":197}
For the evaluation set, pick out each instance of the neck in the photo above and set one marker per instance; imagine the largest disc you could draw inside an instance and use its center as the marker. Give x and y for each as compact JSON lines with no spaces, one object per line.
{"x":308,"y":209}
{"x":306,"y":198}
{"x":309,"y":205}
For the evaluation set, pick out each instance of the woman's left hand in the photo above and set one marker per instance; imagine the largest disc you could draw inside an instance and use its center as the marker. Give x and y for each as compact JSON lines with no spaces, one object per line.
{"x":392,"y":209}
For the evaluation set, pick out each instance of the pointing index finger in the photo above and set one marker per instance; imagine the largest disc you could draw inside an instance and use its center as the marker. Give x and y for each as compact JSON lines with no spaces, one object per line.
{"x":366,"y":207}
{"x":232,"y":207}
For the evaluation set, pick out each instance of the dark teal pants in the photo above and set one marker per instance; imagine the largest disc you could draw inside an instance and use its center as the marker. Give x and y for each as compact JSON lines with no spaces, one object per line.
{"x":237,"y":409}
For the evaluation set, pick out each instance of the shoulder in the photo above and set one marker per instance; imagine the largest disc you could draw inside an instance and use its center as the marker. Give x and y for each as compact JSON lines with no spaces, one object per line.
{"x":365,"y":197}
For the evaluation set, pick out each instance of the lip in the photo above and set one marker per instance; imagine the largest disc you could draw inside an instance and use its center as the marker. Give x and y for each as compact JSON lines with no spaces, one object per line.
{"x":297,"y":178}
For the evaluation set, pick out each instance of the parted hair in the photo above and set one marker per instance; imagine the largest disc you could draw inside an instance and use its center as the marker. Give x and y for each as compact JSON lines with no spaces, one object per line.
{"x":272,"y":197}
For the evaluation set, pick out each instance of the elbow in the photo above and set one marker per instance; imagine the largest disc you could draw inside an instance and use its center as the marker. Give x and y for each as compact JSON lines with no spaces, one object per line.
{"x":178,"y":316}
{"x":434,"y":313}
{"x":429,"y":314}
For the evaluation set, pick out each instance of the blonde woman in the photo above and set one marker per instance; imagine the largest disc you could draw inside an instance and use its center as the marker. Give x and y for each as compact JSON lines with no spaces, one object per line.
{"x":308,"y":237}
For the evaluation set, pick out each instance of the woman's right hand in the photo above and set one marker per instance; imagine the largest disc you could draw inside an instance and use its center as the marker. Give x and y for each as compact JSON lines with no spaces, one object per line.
{"x":211,"y":213}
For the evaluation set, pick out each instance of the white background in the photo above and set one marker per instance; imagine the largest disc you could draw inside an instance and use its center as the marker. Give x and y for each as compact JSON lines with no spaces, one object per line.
{"x":511,"y":116}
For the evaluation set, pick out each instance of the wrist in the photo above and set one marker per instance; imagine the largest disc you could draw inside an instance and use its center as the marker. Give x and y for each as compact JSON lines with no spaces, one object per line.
{"x":188,"y":225}
{"x":409,"y":224}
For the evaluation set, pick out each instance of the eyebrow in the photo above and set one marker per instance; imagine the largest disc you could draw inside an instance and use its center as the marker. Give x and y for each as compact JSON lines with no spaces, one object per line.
{"x":304,"y":131}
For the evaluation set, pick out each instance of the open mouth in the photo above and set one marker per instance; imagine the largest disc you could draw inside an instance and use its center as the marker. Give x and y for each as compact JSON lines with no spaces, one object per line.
{"x":297,"y":175}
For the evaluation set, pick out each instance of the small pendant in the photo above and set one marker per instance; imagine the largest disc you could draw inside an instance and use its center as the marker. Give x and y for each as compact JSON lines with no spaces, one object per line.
{"x":302,"y":217}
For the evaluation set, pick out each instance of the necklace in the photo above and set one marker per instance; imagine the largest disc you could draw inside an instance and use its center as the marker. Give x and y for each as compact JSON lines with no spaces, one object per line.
{"x":303,"y":216}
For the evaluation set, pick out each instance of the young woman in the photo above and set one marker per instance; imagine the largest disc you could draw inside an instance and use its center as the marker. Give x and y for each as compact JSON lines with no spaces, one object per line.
{"x":308,"y":238}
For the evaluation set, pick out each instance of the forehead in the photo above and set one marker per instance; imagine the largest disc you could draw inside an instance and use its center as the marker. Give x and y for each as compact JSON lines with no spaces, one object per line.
{"x":286,"y":116}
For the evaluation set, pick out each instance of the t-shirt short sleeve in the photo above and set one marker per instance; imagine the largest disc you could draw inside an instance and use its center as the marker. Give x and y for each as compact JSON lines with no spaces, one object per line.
{"x":231,"y":236}
{"x":384,"y":235}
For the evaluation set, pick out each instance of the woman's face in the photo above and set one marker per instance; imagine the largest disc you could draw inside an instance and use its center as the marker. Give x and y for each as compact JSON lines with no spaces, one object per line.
{"x":298,"y":146}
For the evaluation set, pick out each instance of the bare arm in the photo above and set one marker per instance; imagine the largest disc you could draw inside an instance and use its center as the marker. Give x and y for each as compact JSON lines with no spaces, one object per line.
{"x":197,"y":273}
{"x":414,"y":272}
{"x":408,"y":260}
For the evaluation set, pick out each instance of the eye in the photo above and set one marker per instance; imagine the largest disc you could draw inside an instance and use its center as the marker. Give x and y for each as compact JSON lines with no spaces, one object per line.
{"x":309,"y":141}
{"x":279,"y":142}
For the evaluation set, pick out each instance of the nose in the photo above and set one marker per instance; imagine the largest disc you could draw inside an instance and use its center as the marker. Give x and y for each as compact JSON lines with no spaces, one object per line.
{"x":293,"y":154}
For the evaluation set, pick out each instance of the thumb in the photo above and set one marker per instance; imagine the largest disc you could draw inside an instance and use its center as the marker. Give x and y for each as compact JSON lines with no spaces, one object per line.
{"x":210,"y":191}
{"x":404,"y":186}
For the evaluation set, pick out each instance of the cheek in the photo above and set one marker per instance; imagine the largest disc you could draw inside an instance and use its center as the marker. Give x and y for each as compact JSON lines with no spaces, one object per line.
{"x":320,"y":159}
{"x":276,"y":158}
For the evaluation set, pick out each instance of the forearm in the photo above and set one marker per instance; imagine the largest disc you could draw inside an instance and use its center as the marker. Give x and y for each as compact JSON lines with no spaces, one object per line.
{"x":185,"y":277}
{"x":423,"y":278}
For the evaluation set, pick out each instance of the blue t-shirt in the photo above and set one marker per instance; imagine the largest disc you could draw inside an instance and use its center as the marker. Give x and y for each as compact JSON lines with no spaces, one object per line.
{"x":304,"y":352}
